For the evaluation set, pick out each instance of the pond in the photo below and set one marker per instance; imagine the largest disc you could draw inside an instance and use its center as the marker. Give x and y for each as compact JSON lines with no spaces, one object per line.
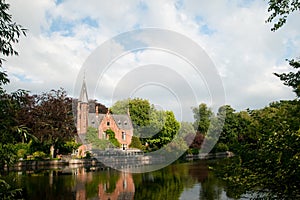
{"x":191,"y":180}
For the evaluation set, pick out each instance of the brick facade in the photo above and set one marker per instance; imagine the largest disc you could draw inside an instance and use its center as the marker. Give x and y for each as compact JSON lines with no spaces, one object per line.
{"x":121,"y":125}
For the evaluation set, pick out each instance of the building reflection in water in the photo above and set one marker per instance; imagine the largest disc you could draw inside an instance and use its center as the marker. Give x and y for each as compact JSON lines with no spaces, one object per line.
{"x":122,"y":188}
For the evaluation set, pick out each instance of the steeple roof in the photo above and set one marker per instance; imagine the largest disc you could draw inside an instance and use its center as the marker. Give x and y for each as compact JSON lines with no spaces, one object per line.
{"x":83,"y":93}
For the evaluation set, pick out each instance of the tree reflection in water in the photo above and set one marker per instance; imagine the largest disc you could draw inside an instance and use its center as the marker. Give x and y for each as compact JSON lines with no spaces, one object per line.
{"x":178,"y":181}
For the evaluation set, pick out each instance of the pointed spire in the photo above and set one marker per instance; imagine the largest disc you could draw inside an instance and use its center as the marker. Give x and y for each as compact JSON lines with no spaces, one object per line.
{"x":83,"y":93}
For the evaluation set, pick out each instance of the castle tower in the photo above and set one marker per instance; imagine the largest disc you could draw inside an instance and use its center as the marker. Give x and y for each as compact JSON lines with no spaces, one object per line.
{"x":82,"y":110}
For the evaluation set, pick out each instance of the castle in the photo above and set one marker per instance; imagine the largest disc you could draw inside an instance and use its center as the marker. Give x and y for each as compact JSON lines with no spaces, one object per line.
{"x":88,"y":116}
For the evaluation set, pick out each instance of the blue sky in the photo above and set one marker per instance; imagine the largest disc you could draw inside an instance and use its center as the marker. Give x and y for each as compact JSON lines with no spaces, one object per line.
{"x":63,"y":33}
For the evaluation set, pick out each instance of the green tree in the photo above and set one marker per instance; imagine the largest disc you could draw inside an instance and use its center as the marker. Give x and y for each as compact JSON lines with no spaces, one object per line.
{"x":10,"y":33}
{"x":136,"y":143}
{"x":292,"y":79}
{"x":139,"y":110}
{"x":280,"y":9}
{"x":202,"y":116}
{"x":120,"y":107}
{"x":166,"y":134}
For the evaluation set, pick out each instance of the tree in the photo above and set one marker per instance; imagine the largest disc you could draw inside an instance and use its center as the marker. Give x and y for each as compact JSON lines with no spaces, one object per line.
{"x":202,"y":116}
{"x":139,"y":110}
{"x":280,"y":9}
{"x":292,"y":79}
{"x":49,"y":116}
{"x":136,"y":143}
{"x":10,"y":33}
{"x":166,"y":134}
{"x":120,"y":107}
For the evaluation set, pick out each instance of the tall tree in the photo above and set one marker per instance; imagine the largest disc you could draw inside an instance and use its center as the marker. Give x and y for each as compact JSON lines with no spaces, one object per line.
{"x":202,"y":116}
{"x":50,"y":118}
{"x":167,"y":133}
{"x":10,"y":33}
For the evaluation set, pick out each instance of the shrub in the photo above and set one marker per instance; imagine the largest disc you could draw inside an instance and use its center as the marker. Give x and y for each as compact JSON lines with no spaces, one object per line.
{"x":221,"y":147}
{"x":39,"y":155}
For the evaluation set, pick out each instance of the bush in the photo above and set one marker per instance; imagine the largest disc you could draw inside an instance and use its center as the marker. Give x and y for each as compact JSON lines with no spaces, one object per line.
{"x":88,"y":155}
{"x":221,"y":147}
{"x":39,"y":155}
{"x":136,"y":143}
{"x":22,"y":153}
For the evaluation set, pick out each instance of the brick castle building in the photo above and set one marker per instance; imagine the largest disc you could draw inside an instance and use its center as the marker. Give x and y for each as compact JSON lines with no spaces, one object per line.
{"x":88,"y":116}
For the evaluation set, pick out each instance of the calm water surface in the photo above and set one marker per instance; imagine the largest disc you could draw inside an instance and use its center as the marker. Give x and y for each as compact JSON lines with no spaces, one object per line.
{"x":177,"y":181}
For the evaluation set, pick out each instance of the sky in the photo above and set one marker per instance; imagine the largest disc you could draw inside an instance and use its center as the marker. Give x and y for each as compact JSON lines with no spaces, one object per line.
{"x":237,"y":53}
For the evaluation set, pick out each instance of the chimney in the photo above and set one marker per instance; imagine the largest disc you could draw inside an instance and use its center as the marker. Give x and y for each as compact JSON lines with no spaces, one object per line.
{"x":97,"y":113}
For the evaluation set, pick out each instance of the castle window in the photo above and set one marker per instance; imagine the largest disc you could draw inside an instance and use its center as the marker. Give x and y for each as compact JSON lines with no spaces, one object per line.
{"x":119,"y":122}
{"x":107,"y":123}
{"x":125,"y":122}
{"x":123,"y":136}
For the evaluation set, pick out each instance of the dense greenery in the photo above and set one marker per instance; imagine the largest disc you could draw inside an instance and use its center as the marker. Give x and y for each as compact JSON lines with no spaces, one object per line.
{"x":154,"y":128}
{"x":10,"y":33}
{"x":268,"y":157}
{"x":93,"y":138}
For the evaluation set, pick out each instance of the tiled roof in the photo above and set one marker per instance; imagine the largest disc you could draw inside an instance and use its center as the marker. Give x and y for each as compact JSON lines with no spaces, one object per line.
{"x":123,"y":121}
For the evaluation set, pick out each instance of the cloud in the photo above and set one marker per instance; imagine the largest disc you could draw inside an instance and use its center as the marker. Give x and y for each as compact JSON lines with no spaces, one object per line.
{"x":62,"y":34}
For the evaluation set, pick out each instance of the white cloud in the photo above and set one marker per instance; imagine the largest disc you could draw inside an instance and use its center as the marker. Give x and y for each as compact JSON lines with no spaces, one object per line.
{"x":233,"y":33}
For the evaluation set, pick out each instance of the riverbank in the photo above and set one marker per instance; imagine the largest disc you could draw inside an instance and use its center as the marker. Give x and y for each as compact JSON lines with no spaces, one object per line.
{"x":127,"y":161}
{"x":208,"y":156}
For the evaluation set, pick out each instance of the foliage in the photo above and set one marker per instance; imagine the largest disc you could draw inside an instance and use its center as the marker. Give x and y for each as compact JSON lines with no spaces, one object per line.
{"x":140,"y":112}
{"x":197,"y":140}
{"x":7,"y":192}
{"x":120,"y":107}
{"x":38,"y":155}
{"x":49,"y":117}
{"x":23,"y":150}
{"x":292,"y":79}
{"x":268,"y":152}
{"x":112,"y":138}
{"x":280,"y":11}
{"x":9,"y":34}
{"x":136,"y":143}
{"x":202,"y":116}
{"x":166,"y":134}
{"x":154,"y":128}
{"x":70,"y":146}
{"x":8,"y":155}
{"x":221,"y":147}
{"x":186,"y":128}
{"x":92,"y":137}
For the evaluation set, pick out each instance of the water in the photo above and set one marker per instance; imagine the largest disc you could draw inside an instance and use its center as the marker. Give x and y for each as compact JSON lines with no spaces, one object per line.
{"x":193,"y":180}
